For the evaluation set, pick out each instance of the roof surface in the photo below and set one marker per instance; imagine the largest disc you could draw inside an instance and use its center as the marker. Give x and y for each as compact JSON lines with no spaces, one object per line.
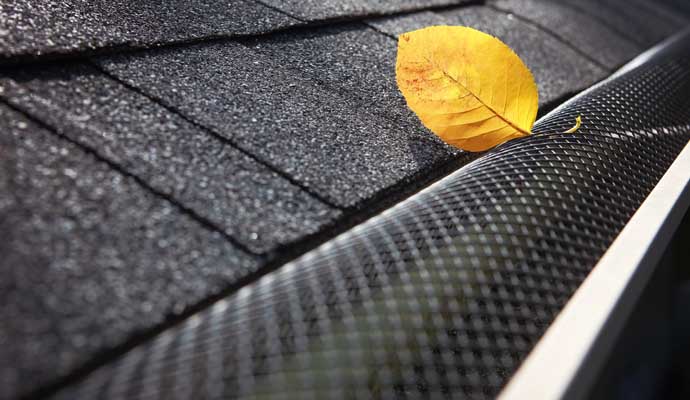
{"x":155,"y":156}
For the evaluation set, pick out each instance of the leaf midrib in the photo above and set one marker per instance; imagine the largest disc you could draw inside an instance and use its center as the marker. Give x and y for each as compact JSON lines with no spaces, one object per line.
{"x":447,"y":75}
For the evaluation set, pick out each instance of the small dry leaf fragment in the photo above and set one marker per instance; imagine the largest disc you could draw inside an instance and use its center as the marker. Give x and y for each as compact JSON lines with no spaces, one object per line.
{"x":578,"y":122}
{"x":466,"y":86}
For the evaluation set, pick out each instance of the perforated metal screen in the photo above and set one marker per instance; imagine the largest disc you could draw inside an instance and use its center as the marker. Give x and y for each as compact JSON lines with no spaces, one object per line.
{"x":445,"y":294}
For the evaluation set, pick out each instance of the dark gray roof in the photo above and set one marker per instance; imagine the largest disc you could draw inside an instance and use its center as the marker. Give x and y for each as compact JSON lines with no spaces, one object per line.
{"x":89,"y":256}
{"x":351,"y":59}
{"x":35,"y":28}
{"x":313,"y":10}
{"x":53,"y":27}
{"x":174,"y":153}
{"x":267,"y":108}
{"x":173,"y":156}
{"x":592,"y":40}
{"x":639,"y":21}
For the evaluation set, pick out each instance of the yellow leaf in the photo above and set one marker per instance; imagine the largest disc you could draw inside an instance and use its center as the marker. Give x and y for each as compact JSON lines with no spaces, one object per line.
{"x":467,"y":87}
{"x":578,"y":122}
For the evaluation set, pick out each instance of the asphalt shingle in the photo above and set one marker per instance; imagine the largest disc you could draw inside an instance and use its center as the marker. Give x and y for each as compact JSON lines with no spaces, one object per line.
{"x":354,"y":60}
{"x":327,"y":141}
{"x":396,"y":26}
{"x":245,"y":199}
{"x":34,"y":28}
{"x":586,"y":34}
{"x":558,"y":70}
{"x":88,"y":257}
{"x":675,"y":7}
{"x":326,"y":9}
{"x":661,"y":12}
{"x":629,"y":18}
{"x":351,"y":57}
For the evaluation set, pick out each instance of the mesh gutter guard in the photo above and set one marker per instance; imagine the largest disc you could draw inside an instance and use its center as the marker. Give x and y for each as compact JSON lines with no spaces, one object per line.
{"x":567,"y":360}
{"x":445,"y":294}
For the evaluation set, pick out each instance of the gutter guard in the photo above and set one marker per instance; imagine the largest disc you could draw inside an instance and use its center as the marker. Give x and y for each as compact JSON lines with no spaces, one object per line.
{"x":566,"y":361}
